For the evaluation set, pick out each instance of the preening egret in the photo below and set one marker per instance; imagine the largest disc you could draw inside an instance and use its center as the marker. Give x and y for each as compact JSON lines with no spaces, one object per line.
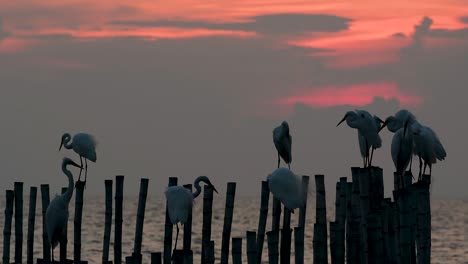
{"x":57,"y":211}
{"x":286,"y":187}
{"x":368,"y":136}
{"x":180,"y":200}
{"x":283,"y":141}
{"x":84,"y":145}
{"x":401,"y":149}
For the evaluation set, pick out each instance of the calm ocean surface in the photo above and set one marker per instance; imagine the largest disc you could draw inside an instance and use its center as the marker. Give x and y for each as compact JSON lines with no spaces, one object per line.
{"x":449,"y":227}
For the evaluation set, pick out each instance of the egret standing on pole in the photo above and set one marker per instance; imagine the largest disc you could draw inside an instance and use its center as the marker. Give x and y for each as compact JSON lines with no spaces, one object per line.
{"x":368,"y":135}
{"x":57,"y":211}
{"x":84,"y":145}
{"x":180,"y":200}
{"x":282,"y":140}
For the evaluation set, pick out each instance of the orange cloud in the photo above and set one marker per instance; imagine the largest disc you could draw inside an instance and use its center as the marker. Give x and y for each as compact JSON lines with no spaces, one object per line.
{"x":14,"y":45}
{"x":355,"y":95}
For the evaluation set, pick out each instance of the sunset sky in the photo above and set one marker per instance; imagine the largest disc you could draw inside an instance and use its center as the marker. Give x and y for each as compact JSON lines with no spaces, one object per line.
{"x":187,"y":88}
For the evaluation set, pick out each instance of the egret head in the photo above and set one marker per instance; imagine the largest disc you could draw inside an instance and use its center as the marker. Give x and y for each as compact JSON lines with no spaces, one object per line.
{"x":392,"y":124}
{"x":65,"y":138}
{"x":207,"y":181}
{"x":351,"y":118}
{"x":285,"y":125}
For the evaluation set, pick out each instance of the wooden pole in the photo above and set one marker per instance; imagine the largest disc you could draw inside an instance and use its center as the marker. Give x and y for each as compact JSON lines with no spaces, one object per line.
{"x":207,"y":216}
{"x":45,"y":240}
{"x":140,"y":219}
{"x":298,"y":245}
{"x":262,"y":220}
{"x":276,"y":214}
{"x":273,"y":253}
{"x":341,"y":221}
{"x":107,"y":221}
{"x":237,"y":250}
{"x":18,"y":222}
{"x":376,"y":196}
{"x":333,"y":242}
{"x":285,"y":250}
{"x":404,"y":227}
{"x":209,"y":252}
{"x":31,"y":222}
{"x":320,"y":226}
{"x":364,"y":185}
{"x":228,"y":216}
{"x":251,"y":247}
{"x":349,"y":252}
{"x":119,"y":185}
{"x":388,"y":254}
{"x":168,"y":229}
{"x":64,"y":240}
{"x":424,"y":220}
{"x":10,"y":197}
{"x":188,"y":225}
{"x":375,"y":239}
{"x":355,"y":220}
{"x":77,"y":222}
{"x":156,"y":258}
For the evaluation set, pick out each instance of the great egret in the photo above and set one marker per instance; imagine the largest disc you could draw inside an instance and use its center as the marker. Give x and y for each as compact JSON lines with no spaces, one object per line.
{"x":84,"y":145}
{"x":401,"y":150}
{"x":428,"y":138}
{"x":180,"y":200}
{"x":368,"y":136}
{"x":282,"y":140}
{"x":57,"y":211}
{"x":286,"y":187}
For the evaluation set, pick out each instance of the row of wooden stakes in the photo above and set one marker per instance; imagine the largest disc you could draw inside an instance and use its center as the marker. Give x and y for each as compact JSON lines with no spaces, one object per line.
{"x":367,"y":227}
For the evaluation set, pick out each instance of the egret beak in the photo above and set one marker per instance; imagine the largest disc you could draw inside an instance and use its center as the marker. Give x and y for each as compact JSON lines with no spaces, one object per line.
{"x":380,"y":120}
{"x":344,"y":118}
{"x":214,"y":189}
{"x":76,"y":165}
{"x":61,"y":145}
{"x":384,"y":125}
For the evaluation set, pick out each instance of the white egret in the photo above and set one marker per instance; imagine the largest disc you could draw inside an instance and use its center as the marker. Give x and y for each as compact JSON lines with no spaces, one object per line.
{"x":368,"y":135}
{"x":180,"y":200}
{"x":428,"y":138}
{"x":401,"y":149}
{"x":286,"y":187}
{"x":84,"y":145}
{"x":57,"y":211}
{"x":282,"y":140}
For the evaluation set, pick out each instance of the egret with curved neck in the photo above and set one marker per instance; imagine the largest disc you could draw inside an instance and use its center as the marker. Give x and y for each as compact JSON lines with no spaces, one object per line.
{"x":84,"y":145}
{"x":57,"y":211}
{"x":180,"y":201}
{"x":283,"y":141}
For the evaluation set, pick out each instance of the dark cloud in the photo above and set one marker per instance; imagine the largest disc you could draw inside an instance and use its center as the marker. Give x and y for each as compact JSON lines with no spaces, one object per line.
{"x":3,"y":33}
{"x":464,"y":19}
{"x":399,"y":35}
{"x":267,"y":24}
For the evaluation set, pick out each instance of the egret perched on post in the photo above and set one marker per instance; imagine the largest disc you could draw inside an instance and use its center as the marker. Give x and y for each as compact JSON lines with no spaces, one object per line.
{"x":180,"y":200}
{"x":282,"y":140}
{"x":57,"y":211}
{"x":401,"y":149}
{"x":368,"y":136}
{"x":286,"y":187}
{"x":84,"y":145}
{"x":422,"y":143}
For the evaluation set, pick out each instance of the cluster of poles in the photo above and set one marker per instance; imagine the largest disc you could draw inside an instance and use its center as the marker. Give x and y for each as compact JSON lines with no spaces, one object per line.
{"x":368,"y":228}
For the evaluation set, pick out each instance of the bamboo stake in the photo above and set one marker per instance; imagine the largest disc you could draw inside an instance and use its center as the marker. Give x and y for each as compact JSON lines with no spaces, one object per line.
{"x":45,"y":240}
{"x":10,"y":196}
{"x":31,"y":222}
{"x":262,"y":220}
{"x":18,"y":222}
{"x":320,"y":226}
{"x":299,"y":234}
{"x":237,"y":250}
{"x":251,"y":247}
{"x":285,"y":250}
{"x":299,"y":245}
{"x":273,"y":254}
{"x":228,"y":216}
{"x":207,"y":216}
{"x":168,"y":229}
{"x":64,"y":240}
{"x":187,"y":246}
{"x":156,"y":258}
{"x":140,"y":220}
{"x":107,"y":222}
{"x":119,"y":185}
{"x":77,"y":222}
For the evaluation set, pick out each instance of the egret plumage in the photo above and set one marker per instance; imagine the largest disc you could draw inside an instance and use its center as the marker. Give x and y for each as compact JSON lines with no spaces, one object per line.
{"x":368,"y":136}
{"x":286,"y":187}
{"x":283,"y":140}
{"x":84,"y":145}
{"x":57,"y":211}
{"x":426,"y":141}
{"x":180,"y":200}
{"x":401,"y":149}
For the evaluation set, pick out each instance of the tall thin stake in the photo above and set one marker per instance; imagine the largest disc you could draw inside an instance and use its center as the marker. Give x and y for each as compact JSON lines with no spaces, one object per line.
{"x":228,"y":216}
{"x":31,"y":222}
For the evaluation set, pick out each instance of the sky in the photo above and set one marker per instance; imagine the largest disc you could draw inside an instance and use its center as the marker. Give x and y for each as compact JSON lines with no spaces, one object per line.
{"x":186,"y":88}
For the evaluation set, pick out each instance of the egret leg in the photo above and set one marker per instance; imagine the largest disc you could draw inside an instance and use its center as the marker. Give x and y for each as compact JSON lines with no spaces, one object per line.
{"x":278,"y":160}
{"x":420,"y":168}
{"x":86,"y":170}
{"x":81,"y":169}
{"x":430,"y":169}
{"x":289,"y":166}
{"x":367,"y":155}
{"x":424,"y":171}
{"x":372,"y":154}
{"x":411,"y":162}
